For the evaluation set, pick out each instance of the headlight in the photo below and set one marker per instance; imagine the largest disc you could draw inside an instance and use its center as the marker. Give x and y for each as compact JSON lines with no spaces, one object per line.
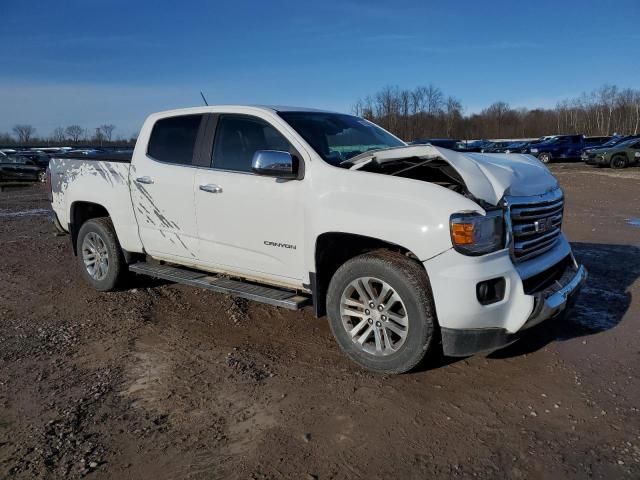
{"x":476,"y":234}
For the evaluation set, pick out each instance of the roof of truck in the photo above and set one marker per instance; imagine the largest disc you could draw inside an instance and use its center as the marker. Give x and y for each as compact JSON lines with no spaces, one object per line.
{"x":214,"y":108}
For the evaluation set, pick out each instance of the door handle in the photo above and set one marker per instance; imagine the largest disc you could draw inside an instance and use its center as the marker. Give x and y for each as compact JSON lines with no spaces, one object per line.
{"x":211,"y":188}
{"x":145,"y":180}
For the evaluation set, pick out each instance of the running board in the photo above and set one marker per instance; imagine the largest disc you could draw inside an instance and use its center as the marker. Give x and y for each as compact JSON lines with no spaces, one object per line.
{"x":270,"y":295}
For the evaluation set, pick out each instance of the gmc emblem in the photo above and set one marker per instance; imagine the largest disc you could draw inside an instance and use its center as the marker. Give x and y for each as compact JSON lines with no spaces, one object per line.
{"x":542,"y":225}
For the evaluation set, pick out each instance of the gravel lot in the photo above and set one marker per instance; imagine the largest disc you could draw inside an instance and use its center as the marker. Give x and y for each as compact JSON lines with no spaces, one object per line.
{"x":165,"y":381}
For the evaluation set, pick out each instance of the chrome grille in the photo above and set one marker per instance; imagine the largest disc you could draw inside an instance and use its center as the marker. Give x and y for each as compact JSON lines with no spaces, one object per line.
{"x":535,"y":224}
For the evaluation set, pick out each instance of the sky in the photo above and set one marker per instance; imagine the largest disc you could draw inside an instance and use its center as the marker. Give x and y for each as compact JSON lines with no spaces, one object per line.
{"x":93,"y":62}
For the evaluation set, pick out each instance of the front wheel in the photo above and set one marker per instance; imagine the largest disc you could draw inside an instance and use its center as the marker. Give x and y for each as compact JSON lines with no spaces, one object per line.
{"x":619,"y":161}
{"x":100,"y":256}
{"x":545,"y":157}
{"x":381,"y":311}
{"x":42,"y":176}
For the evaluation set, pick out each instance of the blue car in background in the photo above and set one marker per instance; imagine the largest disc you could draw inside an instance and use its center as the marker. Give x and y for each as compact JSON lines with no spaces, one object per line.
{"x":565,"y":147}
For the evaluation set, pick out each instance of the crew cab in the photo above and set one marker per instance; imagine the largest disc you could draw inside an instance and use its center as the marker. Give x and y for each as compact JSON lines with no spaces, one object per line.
{"x":403,"y":248}
{"x":563,"y":147}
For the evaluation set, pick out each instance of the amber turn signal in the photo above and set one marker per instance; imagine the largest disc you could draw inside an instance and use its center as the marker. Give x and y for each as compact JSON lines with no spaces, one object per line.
{"x":462,"y":233}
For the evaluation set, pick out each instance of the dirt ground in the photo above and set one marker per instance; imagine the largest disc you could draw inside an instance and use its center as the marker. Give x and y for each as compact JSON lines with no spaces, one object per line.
{"x":165,"y":381}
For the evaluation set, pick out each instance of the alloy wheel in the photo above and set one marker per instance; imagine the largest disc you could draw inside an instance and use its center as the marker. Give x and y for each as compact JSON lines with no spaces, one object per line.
{"x":95,"y":256}
{"x":374,"y":316}
{"x":618,"y":162}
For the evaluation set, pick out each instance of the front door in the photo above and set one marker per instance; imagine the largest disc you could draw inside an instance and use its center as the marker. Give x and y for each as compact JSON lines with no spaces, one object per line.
{"x":248,"y":223}
{"x":162,"y":189}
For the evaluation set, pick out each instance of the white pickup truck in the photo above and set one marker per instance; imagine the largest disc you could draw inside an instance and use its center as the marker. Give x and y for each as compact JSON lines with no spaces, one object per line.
{"x":404,"y":248}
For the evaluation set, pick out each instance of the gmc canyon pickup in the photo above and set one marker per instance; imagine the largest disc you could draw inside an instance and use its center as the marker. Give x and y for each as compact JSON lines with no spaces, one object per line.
{"x":404,"y":248}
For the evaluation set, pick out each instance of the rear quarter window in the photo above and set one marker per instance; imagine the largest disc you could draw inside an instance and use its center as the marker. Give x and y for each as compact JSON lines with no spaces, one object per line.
{"x":173,"y":139}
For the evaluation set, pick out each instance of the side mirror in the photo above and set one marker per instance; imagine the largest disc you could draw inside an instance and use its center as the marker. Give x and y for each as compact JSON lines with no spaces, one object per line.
{"x":274,"y":163}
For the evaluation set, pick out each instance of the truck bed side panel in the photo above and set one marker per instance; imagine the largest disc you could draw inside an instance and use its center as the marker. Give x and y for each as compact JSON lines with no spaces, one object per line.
{"x":101,"y":182}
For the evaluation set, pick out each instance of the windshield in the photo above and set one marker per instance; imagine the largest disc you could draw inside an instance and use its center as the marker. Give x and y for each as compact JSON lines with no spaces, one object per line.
{"x":338,"y":137}
{"x":626,"y":143}
{"x":613,"y":141}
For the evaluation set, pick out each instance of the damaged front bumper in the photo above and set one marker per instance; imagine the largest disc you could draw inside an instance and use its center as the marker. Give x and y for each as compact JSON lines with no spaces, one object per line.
{"x":549,"y":303}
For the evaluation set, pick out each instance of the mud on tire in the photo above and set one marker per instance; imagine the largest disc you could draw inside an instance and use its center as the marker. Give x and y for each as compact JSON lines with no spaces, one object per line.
{"x":357,"y":305}
{"x":99,"y":254}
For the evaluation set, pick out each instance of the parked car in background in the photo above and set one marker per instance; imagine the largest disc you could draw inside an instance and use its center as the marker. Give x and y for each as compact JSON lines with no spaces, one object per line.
{"x":561,"y":147}
{"x":616,"y":139}
{"x":596,"y":141}
{"x":38,"y":158}
{"x":496,"y":147}
{"x":16,"y":167}
{"x":450,"y":143}
{"x":621,"y":155}
{"x":85,"y":151}
{"x":474,"y":146}
{"x":518,"y":147}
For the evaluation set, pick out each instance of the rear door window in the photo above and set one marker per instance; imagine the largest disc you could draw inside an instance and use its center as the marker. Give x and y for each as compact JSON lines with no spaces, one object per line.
{"x":239,"y":137}
{"x":173,"y":139}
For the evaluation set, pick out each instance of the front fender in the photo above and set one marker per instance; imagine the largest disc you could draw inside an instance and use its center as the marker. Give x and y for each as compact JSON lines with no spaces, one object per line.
{"x":410,"y":213}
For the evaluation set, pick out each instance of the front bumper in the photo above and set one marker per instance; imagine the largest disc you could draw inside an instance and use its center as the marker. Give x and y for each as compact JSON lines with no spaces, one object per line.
{"x":597,"y":160}
{"x":548,"y":303}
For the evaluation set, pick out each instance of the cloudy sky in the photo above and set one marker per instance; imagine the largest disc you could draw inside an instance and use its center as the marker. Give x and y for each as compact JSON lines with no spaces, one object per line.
{"x":92,"y":62}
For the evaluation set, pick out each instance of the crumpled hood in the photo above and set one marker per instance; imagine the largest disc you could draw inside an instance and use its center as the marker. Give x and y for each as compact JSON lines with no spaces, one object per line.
{"x":488,"y":176}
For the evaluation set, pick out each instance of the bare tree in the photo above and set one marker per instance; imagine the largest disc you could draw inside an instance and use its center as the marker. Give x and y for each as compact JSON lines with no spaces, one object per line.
{"x":453,"y":114}
{"x":58,"y":135}
{"x":24,"y":132}
{"x":107,"y":131}
{"x":99,"y":136}
{"x":74,"y":132}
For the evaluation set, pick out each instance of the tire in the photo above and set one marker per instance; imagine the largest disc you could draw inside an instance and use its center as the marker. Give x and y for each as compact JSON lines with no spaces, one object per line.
{"x":545,"y":157}
{"x":618,"y":161}
{"x":42,"y":176}
{"x":394,"y":348}
{"x":97,"y":237}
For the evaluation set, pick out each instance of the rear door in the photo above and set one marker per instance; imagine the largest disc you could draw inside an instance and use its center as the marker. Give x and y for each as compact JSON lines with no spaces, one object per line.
{"x":162,"y":188}
{"x":247,"y":223}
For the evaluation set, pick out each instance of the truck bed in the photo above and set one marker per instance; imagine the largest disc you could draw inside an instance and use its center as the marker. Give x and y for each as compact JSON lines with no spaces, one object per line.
{"x":93,"y":179}
{"x":120,"y":157}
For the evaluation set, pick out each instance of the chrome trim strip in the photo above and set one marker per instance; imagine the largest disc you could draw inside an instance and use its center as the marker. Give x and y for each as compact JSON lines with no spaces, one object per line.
{"x":532,"y":267}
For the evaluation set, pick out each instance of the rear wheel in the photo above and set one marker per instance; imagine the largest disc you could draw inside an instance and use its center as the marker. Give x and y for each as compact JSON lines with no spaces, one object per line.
{"x":381,"y":311}
{"x":619,"y":161}
{"x":101,"y":260}
{"x":545,"y":157}
{"x":42,"y":176}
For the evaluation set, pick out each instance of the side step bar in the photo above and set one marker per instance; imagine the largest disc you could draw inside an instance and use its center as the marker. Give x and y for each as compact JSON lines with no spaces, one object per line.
{"x":273,"y":296}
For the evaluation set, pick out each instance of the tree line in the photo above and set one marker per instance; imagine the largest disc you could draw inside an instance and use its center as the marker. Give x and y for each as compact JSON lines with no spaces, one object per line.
{"x":26,"y":134}
{"x":426,"y":112}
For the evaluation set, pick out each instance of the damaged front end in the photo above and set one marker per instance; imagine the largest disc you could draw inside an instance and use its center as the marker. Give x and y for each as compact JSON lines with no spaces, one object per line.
{"x":485,"y":178}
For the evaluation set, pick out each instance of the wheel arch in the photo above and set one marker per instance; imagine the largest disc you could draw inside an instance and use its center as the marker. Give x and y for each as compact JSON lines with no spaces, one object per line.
{"x":80,"y":212}
{"x":333,"y":249}
{"x":620,"y":155}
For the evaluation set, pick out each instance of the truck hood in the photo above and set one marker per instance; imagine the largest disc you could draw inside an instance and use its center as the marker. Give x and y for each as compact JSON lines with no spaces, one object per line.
{"x":488,"y":176}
